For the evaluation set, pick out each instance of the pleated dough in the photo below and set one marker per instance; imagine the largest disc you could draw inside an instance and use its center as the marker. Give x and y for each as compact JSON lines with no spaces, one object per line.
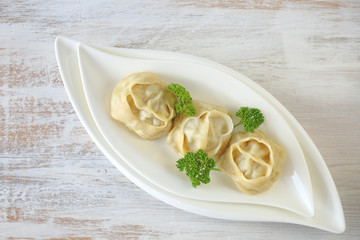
{"x":142,"y":103}
{"x":210,"y":129}
{"x":253,"y":161}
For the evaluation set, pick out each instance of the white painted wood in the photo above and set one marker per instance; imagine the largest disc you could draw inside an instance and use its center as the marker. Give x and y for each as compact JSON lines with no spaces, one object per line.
{"x":55,"y":183}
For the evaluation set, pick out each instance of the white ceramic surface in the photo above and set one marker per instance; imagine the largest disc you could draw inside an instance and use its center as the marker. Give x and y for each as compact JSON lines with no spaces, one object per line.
{"x":157,"y":163}
{"x":328,"y":210}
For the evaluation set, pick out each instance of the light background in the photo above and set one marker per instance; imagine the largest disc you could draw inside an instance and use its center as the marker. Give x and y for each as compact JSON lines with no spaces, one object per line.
{"x":54,"y":181}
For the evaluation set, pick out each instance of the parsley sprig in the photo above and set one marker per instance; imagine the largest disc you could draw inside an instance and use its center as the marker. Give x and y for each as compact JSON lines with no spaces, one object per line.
{"x":184,"y":103}
{"x":197,"y":166}
{"x":250,"y":118}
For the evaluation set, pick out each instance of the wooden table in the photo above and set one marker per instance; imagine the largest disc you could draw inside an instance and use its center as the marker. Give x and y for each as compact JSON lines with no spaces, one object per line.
{"x":56,"y":184}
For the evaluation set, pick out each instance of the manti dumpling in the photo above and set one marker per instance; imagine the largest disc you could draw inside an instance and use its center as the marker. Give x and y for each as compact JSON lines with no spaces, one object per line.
{"x":142,"y":103}
{"x":210,"y":129}
{"x":253,"y":161}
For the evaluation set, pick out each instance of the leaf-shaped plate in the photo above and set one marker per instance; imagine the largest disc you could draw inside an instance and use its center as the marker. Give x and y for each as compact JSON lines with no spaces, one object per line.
{"x":155,"y":161}
{"x":328,"y":210}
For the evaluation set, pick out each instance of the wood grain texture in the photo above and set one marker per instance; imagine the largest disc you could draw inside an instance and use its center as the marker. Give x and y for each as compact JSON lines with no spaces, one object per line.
{"x":56,"y":184}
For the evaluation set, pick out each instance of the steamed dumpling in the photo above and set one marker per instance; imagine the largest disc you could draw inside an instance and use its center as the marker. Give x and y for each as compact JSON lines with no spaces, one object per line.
{"x":142,"y":103}
{"x":210,"y":129}
{"x":253,"y":161}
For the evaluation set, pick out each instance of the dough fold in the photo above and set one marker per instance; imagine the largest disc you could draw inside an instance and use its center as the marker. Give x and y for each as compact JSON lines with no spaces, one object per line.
{"x":253,"y":161}
{"x":210,"y":129}
{"x":142,"y":103}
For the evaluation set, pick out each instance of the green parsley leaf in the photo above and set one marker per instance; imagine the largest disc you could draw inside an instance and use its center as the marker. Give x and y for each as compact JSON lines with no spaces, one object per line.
{"x":250,"y":118}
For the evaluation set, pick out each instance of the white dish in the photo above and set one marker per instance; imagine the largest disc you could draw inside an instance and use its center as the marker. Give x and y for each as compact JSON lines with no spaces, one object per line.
{"x":328,"y":210}
{"x":157,"y":163}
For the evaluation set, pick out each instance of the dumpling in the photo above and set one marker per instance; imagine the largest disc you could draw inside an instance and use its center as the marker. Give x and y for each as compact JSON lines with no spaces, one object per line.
{"x":142,"y":103}
{"x":210,"y":129}
{"x":253,"y":161}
